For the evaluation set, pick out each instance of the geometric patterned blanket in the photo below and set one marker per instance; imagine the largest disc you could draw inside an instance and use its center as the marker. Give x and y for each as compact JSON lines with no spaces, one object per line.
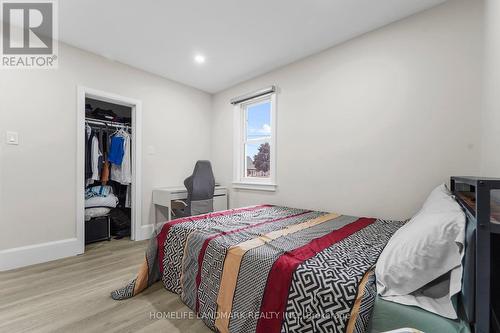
{"x":269,"y":269}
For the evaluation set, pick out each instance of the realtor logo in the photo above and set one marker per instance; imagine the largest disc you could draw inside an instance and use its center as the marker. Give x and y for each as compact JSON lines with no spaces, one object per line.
{"x":29,"y":34}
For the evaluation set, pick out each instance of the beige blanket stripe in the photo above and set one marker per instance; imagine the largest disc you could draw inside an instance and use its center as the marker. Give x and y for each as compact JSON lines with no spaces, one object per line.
{"x":232,"y":265}
{"x":141,"y":281}
{"x":357,"y":303}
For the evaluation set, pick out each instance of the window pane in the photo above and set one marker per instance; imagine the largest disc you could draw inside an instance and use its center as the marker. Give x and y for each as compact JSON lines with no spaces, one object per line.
{"x":257,"y":160}
{"x":258,"y":118}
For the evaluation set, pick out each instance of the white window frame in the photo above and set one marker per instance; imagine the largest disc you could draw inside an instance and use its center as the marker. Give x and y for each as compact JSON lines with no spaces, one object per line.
{"x":240,"y":180}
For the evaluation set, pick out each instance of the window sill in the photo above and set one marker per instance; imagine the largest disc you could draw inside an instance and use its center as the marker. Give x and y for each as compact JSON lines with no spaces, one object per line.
{"x":255,"y":186}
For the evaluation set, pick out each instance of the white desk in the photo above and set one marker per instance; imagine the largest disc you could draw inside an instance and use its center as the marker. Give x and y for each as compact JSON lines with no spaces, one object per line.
{"x":163,"y":197}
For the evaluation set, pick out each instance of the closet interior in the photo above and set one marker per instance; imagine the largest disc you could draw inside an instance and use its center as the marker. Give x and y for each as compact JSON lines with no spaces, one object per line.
{"x":108,"y":171}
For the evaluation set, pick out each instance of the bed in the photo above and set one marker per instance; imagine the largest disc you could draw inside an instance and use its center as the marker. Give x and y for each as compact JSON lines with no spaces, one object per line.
{"x":276,"y":269}
{"x":269,"y":268}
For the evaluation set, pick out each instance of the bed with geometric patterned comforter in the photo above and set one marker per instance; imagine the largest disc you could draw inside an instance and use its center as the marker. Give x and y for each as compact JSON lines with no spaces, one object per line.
{"x":269,"y":269}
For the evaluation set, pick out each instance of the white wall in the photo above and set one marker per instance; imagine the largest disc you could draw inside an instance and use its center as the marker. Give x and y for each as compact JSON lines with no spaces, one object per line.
{"x":490,"y":158}
{"x":371,"y":126}
{"x":37,"y":178}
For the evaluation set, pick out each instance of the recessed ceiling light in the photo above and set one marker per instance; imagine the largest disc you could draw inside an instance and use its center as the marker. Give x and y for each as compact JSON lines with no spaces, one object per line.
{"x":199,"y":59}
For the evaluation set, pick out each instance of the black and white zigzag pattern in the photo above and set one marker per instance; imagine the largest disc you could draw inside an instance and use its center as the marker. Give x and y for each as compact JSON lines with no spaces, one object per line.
{"x":216,"y":251}
{"x":176,"y":239}
{"x":190,"y":267}
{"x":215,"y":254}
{"x":255,"y":267}
{"x":173,"y":253}
{"x":125,"y":292}
{"x":324,"y":287}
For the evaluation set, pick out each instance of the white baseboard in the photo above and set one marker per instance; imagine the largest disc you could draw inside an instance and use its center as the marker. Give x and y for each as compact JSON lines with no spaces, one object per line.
{"x":38,"y":253}
{"x":147,"y":230}
{"x":35,"y":254}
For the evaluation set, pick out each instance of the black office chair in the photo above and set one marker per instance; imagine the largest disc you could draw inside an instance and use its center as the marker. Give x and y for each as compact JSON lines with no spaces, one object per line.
{"x":200,"y":187}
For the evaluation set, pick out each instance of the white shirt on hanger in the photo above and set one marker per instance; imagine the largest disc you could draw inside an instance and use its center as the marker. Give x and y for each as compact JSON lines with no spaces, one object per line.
{"x":95,"y":154}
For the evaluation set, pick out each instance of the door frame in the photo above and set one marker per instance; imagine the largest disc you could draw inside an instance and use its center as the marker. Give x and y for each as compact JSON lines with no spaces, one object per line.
{"x":136,"y":191}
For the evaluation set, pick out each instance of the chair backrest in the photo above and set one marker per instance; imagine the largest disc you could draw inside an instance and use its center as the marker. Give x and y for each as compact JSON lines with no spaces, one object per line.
{"x":200,"y":186}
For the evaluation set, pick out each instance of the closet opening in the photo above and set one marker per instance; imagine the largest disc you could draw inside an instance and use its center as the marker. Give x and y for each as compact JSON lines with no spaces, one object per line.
{"x":109,"y":195}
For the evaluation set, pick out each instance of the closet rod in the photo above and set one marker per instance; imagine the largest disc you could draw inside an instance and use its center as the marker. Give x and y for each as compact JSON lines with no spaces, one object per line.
{"x":106,"y":122}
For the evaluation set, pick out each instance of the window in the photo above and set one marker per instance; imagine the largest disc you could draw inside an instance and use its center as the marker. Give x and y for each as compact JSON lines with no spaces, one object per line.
{"x":255,"y":134}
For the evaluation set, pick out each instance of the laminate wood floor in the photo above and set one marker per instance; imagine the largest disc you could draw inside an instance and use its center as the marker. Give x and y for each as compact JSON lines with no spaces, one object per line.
{"x":72,"y":295}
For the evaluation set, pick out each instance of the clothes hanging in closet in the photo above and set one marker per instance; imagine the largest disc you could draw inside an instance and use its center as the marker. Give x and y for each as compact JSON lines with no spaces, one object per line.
{"x":107,"y":157}
{"x":117,"y":150}
{"x":121,"y":170}
{"x":88,"y":153}
{"x":96,"y":158}
{"x":105,"y":172}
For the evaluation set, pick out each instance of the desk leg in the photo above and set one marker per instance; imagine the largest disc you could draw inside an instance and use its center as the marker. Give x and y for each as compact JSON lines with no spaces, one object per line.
{"x":161,"y":214}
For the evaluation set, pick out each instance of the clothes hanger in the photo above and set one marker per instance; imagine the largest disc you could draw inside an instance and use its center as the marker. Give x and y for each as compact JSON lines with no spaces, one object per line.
{"x":88,"y":129}
{"x":122,"y":130}
{"x":116,"y":131}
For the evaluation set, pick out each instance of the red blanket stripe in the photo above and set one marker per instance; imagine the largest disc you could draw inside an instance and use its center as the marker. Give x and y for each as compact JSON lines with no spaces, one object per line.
{"x":201,"y":255}
{"x":280,"y":277}
{"x":162,"y":236}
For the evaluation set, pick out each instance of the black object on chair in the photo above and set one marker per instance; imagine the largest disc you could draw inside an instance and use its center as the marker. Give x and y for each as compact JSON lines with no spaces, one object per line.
{"x":200,"y":187}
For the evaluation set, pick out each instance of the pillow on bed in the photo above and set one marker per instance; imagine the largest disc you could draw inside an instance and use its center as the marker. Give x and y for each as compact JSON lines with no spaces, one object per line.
{"x":429,"y":246}
{"x":440,"y":192}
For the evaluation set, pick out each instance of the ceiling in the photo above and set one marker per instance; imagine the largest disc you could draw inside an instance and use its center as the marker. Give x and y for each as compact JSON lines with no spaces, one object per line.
{"x":239,"y":39}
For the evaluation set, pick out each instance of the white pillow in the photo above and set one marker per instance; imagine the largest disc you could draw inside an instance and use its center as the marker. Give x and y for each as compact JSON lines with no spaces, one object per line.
{"x":427,"y":247}
{"x":440,"y":199}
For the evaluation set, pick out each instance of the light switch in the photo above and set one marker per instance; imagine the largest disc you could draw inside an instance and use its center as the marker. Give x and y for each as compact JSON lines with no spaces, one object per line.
{"x":151,"y":150}
{"x":12,"y":138}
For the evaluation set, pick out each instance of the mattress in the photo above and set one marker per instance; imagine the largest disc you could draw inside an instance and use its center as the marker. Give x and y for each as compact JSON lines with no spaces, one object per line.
{"x":389,"y":316}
